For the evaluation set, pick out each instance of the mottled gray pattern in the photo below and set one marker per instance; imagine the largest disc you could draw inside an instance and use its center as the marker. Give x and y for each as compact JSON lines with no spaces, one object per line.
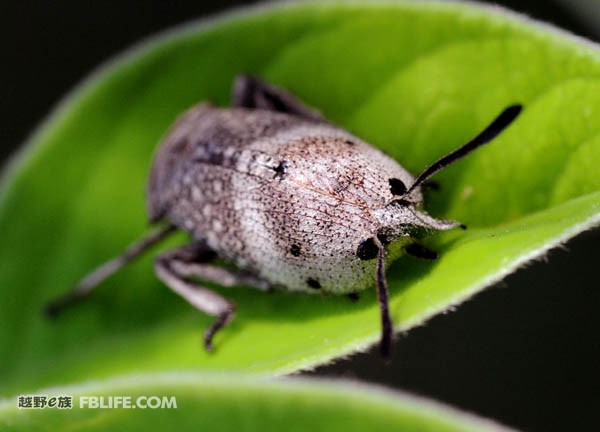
{"x":286,"y":198}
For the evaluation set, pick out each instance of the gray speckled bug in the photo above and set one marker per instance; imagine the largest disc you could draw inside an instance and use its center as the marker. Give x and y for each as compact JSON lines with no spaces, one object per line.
{"x":291,"y":200}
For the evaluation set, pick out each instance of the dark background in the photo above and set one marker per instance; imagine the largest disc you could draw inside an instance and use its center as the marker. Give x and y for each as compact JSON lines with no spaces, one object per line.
{"x":525,"y":352}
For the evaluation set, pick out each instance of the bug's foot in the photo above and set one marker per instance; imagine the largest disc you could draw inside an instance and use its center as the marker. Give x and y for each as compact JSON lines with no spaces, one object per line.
{"x":386,"y":346}
{"x":353,"y":297}
{"x":57,"y":306}
{"x":219,"y":323}
{"x":52,"y":310}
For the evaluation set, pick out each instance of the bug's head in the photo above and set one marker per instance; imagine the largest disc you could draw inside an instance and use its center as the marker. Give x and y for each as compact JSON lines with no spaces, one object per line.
{"x":402,"y":215}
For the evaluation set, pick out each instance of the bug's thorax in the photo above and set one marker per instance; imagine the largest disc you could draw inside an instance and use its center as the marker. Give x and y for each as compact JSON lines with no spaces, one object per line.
{"x":403,"y":217}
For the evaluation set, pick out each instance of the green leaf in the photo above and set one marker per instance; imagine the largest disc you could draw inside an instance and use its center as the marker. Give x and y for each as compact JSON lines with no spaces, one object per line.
{"x":416,"y":79}
{"x":233,"y":403}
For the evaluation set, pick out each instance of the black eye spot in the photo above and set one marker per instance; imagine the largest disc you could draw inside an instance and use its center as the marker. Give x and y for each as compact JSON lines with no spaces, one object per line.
{"x":295,"y":250}
{"x":350,"y":143}
{"x":280,"y":169}
{"x":367,"y":249}
{"x":313,"y":283}
{"x":397,"y":187}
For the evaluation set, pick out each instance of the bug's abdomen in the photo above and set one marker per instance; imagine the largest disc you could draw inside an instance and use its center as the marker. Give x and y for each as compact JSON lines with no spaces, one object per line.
{"x":208,"y":136}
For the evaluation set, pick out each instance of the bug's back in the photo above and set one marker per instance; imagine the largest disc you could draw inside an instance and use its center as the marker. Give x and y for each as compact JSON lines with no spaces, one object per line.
{"x":287,"y":198}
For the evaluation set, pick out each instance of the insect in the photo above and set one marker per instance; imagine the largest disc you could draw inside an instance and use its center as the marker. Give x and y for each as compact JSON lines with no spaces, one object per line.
{"x":292,"y":201}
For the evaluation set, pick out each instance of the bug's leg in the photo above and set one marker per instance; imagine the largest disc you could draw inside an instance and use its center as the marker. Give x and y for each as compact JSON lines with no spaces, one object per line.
{"x":420,"y":251}
{"x":175,"y":268}
{"x":201,"y":298}
{"x":192,"y":261}
{"x":353,"y":296}
{"x":387,"y":328}
{"x":251,"y":92}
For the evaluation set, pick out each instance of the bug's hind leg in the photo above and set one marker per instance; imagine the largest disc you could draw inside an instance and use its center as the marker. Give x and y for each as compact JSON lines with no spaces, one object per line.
{"x":251,"y":92}
{"x":175,"y":268}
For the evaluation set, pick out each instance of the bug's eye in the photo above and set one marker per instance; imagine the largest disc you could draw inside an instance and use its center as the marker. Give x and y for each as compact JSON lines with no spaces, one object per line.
{"x":367,"y":249}
{"x":397,"y":187}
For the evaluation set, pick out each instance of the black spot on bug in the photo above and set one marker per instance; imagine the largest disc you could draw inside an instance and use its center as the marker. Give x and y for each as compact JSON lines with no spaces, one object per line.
{"x":313,"y":283}
{"x":280,"y":169}
{"x":349,"y":142}
{"x":295,"y":250}
{"x":397,"y":187}
{"x":367,"y":249}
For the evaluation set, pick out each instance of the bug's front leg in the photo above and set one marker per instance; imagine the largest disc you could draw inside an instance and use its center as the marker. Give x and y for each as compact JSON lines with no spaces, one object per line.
{"x":176,"y":267}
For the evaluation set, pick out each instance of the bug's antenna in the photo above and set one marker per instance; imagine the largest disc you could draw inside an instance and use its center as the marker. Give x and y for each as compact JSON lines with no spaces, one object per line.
{"x":386,"y":342}
{"x":489,"y":133}
{"x":98,"y":275}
